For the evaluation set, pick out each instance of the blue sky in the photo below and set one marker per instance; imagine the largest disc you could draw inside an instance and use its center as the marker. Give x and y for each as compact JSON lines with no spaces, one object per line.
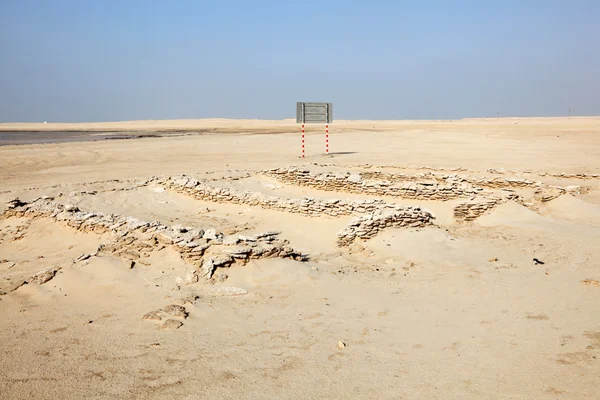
{"x":67,"y":60}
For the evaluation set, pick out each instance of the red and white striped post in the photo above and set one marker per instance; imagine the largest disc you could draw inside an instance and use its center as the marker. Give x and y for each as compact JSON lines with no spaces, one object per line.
{"x":326,"y":139}
{"x":302,"y":140}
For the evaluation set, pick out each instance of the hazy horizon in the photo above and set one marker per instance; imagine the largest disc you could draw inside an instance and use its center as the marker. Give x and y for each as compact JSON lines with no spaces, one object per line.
{"x":72,"y":61}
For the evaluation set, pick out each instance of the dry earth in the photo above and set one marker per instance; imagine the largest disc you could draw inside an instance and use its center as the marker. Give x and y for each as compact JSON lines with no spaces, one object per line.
{"x":420,"y":260}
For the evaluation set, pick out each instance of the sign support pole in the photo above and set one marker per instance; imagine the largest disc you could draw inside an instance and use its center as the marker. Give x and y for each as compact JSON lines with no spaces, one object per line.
{"x":302,"y":140}
{"x":326,"y":139}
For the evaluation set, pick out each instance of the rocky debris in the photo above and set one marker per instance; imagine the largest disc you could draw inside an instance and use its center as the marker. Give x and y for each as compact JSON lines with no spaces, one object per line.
{"x":591,"y":282}
{"x":43,"y":276}
{"x":175,"y":310}
{"x":171,"y":324}
{"x":156,"y":315}
{"x":474,"y":208}
{"x":131,"y":238}
{"x":9,"y":264}
{"x":172,"y":310}
{"x":189,"y":299}
{"x":227,"y":291}
{"x":272,"y":187}
{"x":573,"y":176}
{"x":368,"y":226}
{"x":84,"y":257}
{"x":14,"y":203}
{"x":83,"y":193}
{"x":380,"y":215}
{"x":454,"y":179}
{"x":307,"y":206}
{"x":422,"y":186}
{"x":548,"y":193}
{"x":211,"y":234}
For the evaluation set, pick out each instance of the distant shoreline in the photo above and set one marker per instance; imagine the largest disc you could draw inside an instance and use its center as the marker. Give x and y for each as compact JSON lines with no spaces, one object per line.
{"x":220,"y":125}
{"x":23,"y":138}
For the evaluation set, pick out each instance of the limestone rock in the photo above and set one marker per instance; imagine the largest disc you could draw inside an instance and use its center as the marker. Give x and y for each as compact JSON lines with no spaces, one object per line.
{"x":155,"y":315}
{"x":227,"y":291}
{"x":171,"y":324}
{"x":175,"y":310}
{"x":211,"y":234}
{"x":43,"y":276}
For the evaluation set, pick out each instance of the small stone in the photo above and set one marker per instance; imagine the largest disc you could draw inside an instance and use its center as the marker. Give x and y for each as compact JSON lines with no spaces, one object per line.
{"x":171,"y":324}
{"x":228,"y":291}
{"x":131,"y":264}
{"x":155,"y":315}
{"x":191,"y":278}
{"x":191,"y":299}
{"x":83,"y":257}
{"x":591,"y":282}
{"x":175,"y":310}
{"x":71,"y":208}
{"x":341,"y":345}
{"x":211,"y":234}
{"x":42,"y":277}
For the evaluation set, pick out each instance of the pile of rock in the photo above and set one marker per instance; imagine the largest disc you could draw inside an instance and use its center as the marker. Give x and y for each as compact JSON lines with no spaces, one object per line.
{"x":356,"y":183}
{"x":134,"y":239}
{"x":453,"y":179}
{"x":571,"y":176}
{"x":306,"y":206}
{"x":474,"y":208}
{"x":367,"y":226}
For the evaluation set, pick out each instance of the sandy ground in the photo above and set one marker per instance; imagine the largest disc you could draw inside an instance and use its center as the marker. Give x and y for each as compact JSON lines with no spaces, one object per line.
{"x":452,"y":311}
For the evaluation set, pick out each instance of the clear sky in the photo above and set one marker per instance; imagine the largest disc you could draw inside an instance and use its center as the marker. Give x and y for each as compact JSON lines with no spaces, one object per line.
{"x":79,"y":60}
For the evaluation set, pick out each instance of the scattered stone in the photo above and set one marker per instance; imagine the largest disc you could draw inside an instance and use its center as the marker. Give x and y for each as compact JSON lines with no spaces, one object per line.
{"x":493,"y":259}
{"x":227,"y":291}
{"x":536,"y":262}
{"x":211,"y":234}
{"x":171,"y":324}
{"x":190,"y":299}
{"x":175,"y":310}
{"x":43,"y":276}
{"x":83,"y":257}
{"x":155,"y":315}
{"x":208,"y":267}
{"x":191,"y":278}
{"x":71,"y":208}
{"x":591,"y":282}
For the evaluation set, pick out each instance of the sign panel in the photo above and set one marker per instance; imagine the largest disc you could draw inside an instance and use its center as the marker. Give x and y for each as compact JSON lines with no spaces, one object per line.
{"x":314,"y":113}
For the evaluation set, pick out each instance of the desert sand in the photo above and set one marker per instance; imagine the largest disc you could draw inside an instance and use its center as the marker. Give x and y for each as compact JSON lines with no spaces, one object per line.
{"x":221,"y":265}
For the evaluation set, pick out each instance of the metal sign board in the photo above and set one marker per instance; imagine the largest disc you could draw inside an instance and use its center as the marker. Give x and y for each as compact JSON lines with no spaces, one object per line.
{"x":314,"y":113}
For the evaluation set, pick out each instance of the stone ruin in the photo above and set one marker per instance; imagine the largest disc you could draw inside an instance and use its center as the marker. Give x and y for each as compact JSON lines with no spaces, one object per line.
{"x":356,"y":183}
{"x":367,"y":226}
{"x":379,"y":214}
{"x":134,"y":239}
